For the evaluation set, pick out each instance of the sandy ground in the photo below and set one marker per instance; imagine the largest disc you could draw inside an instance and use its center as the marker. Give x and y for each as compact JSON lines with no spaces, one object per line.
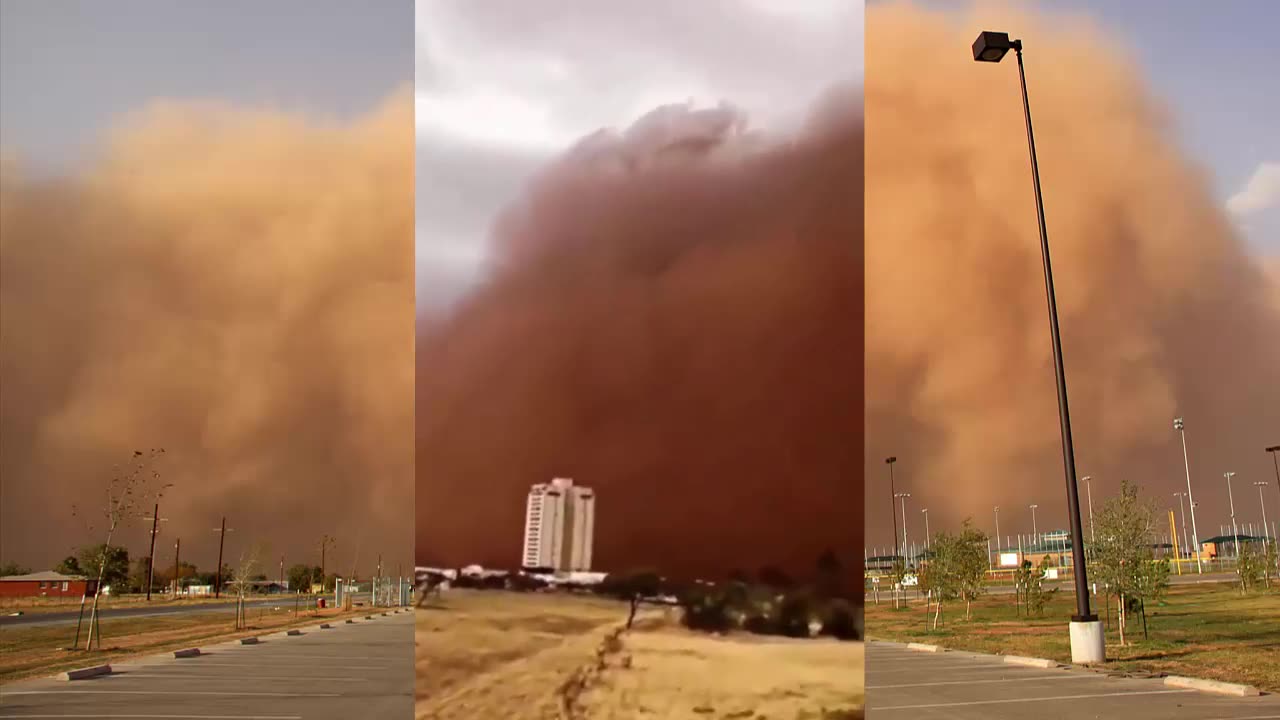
{"x":536,"y":657}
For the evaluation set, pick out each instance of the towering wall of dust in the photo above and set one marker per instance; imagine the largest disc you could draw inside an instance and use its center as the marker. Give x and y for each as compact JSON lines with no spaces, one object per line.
{"x":236,"y":287}
{"x":673,"y":316}
{"x":1163,"y":310}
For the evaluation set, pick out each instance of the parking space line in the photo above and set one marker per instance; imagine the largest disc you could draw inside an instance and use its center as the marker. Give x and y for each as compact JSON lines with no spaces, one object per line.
{"x":1030,"y":678}
{"x":1029,"y":699}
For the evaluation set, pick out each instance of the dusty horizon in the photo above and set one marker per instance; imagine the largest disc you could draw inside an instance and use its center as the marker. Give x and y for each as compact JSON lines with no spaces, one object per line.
{"x":233,"y":285}
{"x":1164,"y":310}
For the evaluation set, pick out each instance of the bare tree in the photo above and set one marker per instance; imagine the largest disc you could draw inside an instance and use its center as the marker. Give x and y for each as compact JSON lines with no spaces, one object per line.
{"x":244,"y":572}
{"x":133,"y":486}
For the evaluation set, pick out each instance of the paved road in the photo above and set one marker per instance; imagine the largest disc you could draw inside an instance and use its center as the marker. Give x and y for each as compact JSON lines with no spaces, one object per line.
{"x":360,"y":670}
{"x":905,"y":684}
{"x":142,"y":610}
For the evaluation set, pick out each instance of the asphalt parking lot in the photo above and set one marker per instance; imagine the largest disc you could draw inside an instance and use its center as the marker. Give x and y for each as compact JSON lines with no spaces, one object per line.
{"x":904,"y":683}
{"x":357,"y":670}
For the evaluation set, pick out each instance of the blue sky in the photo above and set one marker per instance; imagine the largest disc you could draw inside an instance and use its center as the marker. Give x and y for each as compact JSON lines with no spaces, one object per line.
{"x":69,"y":68}
{"x":1216,"y":65}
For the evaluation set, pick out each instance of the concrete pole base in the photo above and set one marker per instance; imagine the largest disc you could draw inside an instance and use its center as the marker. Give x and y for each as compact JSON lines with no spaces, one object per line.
{"x":1088,"y":644}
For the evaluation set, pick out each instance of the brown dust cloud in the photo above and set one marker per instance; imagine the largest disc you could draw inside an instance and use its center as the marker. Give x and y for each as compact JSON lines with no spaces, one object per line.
{"x":1164,"y":311}
{"x":234,"y":286}
{"x":672,"y":315}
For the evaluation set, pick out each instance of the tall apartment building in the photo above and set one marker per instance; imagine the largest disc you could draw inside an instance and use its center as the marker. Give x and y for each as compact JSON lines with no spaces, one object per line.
{"x":559,"y":526}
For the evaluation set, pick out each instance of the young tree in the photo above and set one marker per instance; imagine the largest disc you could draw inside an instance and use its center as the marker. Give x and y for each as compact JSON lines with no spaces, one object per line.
{"x":132,"y":487}
{"x":244,"y":574}
{"x":1251,"y":566}
{"x":69,"y":566}
{"x":970,"y":565}
{"x":943,"y":571}
{"x":633,"y":587}
{"x":1123,"y":555}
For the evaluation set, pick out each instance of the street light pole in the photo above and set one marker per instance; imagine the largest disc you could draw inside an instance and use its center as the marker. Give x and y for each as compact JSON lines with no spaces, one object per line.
{"x":1087,"y":642}
{"x":1181,"y":427}
{"x":1035,"y":532}
{"x":893,"y":510}
{"x":151,"y":559}
{"x":925,"y":511}
{"x":1235,"y":531}
{"x":1265,"y":531}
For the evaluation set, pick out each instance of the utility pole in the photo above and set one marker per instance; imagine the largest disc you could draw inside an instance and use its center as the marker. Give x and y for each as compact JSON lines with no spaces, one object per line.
{"x":222,"y":536}
{"x":151,"y":558}
{"x":281,"y":573}
{"x":997,"y":535}
{"x":925,"y":511}
{"x":1034,"y":531}
{"x":177,"y":579}
{"x":325,"y":542}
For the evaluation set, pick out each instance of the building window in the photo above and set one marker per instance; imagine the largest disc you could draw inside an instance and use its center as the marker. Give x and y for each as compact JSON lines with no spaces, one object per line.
{"x":42,"y":585}
{"x":64,"y":585}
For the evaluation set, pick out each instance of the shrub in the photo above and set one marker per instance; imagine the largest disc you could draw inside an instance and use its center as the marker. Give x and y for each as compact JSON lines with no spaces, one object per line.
{"x":794,"y":614}
{"x":841,"y":621}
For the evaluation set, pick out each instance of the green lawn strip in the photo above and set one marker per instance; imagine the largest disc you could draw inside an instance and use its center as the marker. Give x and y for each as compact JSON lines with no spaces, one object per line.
{"x":1199,"y":631}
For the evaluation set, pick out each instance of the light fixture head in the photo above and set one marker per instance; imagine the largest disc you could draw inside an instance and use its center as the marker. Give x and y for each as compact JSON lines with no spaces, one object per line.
{"x":992,"y":46}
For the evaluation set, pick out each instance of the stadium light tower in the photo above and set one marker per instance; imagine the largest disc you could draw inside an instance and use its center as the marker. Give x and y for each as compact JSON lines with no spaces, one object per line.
{"x":1087,"y":640}
{"x":893,"y":509}
{"x":1088,"y":484}
{"x":1191,"y":499}
{"x":1266,"y":532}
{"x":1235,"y":531}
{"x":903,"y":499}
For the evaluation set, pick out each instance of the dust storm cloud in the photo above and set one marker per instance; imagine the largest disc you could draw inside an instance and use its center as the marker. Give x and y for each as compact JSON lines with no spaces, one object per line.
{"x":235,"y":286}
{"x":673,"y":316}
{"x":1163,"y":310}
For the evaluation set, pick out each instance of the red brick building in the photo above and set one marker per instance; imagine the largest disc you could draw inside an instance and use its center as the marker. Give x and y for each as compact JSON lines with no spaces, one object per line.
{"x":45,"y":584}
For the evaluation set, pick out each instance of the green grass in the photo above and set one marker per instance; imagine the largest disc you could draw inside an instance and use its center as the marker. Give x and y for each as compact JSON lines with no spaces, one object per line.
{"x":1208,"y":631}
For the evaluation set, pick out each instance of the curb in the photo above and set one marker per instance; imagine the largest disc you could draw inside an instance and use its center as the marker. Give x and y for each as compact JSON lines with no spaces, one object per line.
{"x":921,"y":647}
{"x":1212,"y":686}
{"x":294,"y":632}
{"x":189,"y":652}
{"x":83,"y":673}
{"x":249,"y":641}
{"x":1029,"y":662}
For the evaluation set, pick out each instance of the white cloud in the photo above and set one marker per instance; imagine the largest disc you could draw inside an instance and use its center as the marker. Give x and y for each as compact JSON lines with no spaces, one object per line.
{"x":1260,"y":192}
{"x":504,"y":85}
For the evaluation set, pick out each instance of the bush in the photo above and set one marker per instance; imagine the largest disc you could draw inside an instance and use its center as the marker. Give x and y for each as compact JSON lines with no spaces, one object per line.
{"x":794,"y":614}
{"x":706,"y":610}
{"x":841,"y":621}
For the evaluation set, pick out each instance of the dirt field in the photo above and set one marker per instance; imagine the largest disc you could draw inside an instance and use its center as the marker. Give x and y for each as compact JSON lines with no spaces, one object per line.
{"x":542,"y":657}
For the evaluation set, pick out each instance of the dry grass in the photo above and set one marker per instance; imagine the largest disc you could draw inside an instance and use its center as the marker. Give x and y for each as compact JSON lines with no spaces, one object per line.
{"x":35,"y":651}
{"x":1208,"y":631}
{"x":535,"y":657}
{"x":39,"y":605}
